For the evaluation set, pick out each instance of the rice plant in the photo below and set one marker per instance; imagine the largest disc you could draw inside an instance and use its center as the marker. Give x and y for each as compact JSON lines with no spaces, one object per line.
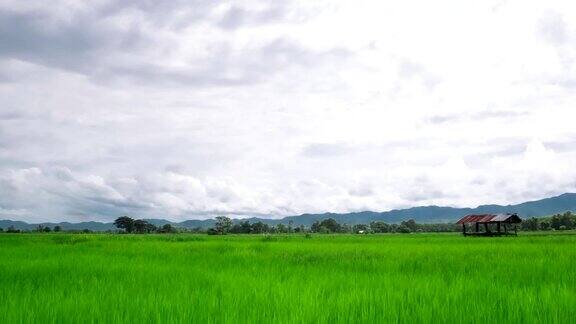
{"x":418,"y":278}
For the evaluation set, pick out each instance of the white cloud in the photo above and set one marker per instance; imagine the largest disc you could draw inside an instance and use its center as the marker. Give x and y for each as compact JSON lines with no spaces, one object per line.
{"x":188,"y":109}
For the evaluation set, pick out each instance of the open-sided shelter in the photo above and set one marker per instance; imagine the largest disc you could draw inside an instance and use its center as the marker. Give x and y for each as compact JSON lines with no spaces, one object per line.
{"x":489,"y":224}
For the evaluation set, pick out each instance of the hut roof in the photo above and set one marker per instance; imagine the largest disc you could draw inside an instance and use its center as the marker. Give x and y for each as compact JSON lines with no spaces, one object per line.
{"x":489,"y":218}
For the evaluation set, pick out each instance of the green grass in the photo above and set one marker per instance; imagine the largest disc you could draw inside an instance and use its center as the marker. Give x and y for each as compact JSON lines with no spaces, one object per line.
{"x":51,"y":278}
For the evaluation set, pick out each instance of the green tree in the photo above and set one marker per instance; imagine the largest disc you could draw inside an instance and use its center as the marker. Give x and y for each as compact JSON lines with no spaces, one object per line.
{"x":236,"y":229}
{"x":141,"y":226}
{"x":379,"y":227}
{"x":315,"y":227}
{"x":328,"y":225}
{"x":530,"y":224}
{"x":47,"y":229}
{"x":223,"y":224}
{"x":11,"y":229}
{"x":126,"y":223}
{"x":568,"y":220}
{"x":403,"y":229}
{"x":360,"y":228}
{"x":411,"y":224}
{"x":151,"y":228}
{"x":556,"y":221}
{"x":544,"y":226}
{"x":242,"y":227}
{"x":57,"y":228}
{"x":332,"y":225}
{"x":259,"y":228}
{"x":324,"y":230}
{"x":346,"y":228}
{"x":167,"y":228}
{"x":281,"y":228}
{"x":246,"y":227}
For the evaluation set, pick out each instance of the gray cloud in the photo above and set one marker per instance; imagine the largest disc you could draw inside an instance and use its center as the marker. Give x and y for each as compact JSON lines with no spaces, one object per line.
{"x":237,"y":17}
{"x":183,"y":109}
{"x":327,"y":150}
{"x":562,"y":145}
{"x":440,"y":119}
{"x":479,"y":116}
{"x":74,"y":45}
{"x":87,"y":44}
{"x":265,"y":61}
{"x":409,"y":69}
{"x":553,"y":28}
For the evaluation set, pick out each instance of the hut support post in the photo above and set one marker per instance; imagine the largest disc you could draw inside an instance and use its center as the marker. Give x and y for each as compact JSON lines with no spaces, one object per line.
{"x":498,"y":227}
{"x":477,"y":227}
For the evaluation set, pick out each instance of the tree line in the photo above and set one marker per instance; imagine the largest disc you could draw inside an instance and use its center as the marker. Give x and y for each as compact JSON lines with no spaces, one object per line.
{"x":140,"y":226}
{"x":558,"y":222}
{"x":38,"y":229}
{"x":225,"y":225}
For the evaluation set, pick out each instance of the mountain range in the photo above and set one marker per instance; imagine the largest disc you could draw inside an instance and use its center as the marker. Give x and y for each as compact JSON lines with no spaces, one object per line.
{"x":424,"y":214}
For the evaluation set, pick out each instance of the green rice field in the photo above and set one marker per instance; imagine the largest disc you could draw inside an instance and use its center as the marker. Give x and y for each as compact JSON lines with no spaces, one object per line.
{"x":413,"y":278}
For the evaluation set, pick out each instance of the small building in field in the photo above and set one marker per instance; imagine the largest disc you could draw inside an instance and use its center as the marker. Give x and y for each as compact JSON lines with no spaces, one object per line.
{"x":490,"y":224}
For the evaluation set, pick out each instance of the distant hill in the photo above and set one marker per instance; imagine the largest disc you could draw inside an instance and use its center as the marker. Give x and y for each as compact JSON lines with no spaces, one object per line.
{"x":425,"y":214}
{"x":93,"y":226}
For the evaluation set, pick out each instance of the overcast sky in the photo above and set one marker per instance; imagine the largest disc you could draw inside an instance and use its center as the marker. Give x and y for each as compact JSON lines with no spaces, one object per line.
{"x":188,"y":109}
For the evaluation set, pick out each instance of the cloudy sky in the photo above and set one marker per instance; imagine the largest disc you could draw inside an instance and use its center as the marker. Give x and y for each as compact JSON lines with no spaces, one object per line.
{"x":187,"y":109}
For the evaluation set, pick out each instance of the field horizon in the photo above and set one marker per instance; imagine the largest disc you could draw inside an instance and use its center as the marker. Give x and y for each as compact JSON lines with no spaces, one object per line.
{"x":423,"y":214}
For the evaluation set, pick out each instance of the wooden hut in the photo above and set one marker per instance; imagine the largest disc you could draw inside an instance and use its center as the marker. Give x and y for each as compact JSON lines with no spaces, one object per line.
{"x":489,"y":224}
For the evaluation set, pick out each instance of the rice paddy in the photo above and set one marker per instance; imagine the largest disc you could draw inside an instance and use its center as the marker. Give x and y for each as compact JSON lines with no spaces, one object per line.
{"x":417,"y":278}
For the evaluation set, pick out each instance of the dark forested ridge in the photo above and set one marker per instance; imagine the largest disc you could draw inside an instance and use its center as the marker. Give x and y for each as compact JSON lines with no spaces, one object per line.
{"x":425,"y":214}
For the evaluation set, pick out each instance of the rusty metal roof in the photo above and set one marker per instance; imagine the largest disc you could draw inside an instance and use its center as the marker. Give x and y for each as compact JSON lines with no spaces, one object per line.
{"x":486,"y":218}
{"x":475,"y":218}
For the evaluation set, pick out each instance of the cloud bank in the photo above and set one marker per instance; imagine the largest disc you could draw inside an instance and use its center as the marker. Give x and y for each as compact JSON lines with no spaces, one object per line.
{"x":189,"y":109}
